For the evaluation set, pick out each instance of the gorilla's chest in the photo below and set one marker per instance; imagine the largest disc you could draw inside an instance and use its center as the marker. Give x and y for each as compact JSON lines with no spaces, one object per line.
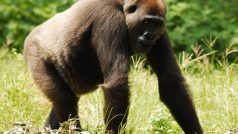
{"x":82,"y":71}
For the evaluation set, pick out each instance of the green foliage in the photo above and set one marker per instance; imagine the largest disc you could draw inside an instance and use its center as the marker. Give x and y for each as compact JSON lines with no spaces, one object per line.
{"x":18,"y":17}
{"x":190,"y":21}
{"x":163,"y":123}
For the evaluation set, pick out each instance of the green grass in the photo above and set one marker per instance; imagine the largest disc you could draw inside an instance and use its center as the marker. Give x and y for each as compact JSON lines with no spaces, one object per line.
{"x":215,"y":94}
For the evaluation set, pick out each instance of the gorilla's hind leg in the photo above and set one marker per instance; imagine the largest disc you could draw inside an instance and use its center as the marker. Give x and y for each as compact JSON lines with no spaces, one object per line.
{"x":64,"y":101}
{"x":62,"y":111}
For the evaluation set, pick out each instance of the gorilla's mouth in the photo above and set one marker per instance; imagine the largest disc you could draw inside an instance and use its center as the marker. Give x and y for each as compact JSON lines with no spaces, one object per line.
{"x":146,"y":42}
{"x":143,"y":45}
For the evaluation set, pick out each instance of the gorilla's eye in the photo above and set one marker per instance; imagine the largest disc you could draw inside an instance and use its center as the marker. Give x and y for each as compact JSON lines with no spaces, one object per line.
{"x":132,"y":8}
{"x":146,"y":21}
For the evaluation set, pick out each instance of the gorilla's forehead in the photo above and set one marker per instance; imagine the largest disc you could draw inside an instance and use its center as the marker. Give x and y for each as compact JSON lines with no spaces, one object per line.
{"x":130,"y":2}
{"x":157,"y":6}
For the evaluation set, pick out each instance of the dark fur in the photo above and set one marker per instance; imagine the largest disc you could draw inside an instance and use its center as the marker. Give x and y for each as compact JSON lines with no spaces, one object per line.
{"x":89,"y":45}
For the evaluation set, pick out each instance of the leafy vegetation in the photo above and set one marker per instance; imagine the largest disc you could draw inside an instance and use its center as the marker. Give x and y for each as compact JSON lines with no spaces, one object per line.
{"x":18,"y":17}
{"x":188,"y":21}
{"x":192,"y":20}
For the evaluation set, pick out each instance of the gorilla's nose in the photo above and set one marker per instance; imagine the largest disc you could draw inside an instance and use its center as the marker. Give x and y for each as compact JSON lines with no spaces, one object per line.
{"x":149,"y":36}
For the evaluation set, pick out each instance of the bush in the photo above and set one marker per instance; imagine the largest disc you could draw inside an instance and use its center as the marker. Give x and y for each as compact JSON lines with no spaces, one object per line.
{"x":192,"y":20}
{"x":188,"y":21}
{"x":18,"y":17}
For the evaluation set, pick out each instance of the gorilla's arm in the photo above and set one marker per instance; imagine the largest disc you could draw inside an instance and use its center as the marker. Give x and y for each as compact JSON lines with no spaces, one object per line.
{"x":114,"y":59}
{"x":172,"y":88}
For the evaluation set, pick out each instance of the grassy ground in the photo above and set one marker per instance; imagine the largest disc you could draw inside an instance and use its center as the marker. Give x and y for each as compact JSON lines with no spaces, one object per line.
{"x":215,"y":93}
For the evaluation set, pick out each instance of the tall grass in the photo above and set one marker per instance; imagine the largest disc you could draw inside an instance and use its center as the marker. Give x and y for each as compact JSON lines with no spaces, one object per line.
{"x":214,"y":86}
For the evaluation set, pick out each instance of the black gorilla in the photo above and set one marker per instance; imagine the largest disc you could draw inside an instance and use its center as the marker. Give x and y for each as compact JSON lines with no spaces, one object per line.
{"x":90,"y":44}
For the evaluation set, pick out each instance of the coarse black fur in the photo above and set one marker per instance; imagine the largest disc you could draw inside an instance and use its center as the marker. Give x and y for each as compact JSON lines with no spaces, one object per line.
{"x":90,"y":45}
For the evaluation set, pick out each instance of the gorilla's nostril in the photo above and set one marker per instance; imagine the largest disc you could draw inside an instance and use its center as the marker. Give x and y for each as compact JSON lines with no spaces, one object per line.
{"x":149,"y":35}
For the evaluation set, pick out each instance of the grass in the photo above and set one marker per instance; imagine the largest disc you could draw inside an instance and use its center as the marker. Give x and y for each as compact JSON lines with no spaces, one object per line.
{"x":215,"y":94}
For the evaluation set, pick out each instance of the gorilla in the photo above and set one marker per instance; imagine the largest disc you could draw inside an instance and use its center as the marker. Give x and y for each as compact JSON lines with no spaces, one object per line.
{"x":90,"y":45}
